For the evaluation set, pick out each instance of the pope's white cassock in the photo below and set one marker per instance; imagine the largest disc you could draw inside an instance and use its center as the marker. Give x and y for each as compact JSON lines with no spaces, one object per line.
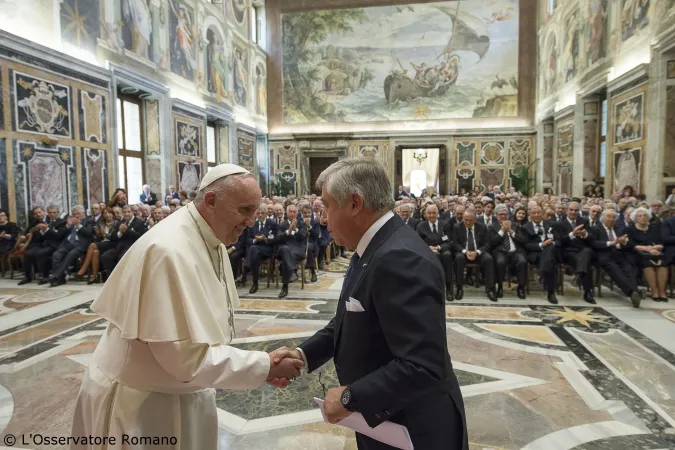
{"x":170,"y":306}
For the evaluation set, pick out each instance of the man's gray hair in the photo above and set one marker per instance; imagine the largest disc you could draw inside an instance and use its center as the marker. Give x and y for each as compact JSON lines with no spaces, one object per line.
{"x":405,"y":206}
{"x":574,"y":203}
{"x":358,"y":176}
{"x":79,"y":208}
{"x":607,"y":211}
{"x":500,"y":208}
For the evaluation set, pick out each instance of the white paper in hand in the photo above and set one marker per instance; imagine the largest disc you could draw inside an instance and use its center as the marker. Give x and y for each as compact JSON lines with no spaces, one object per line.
{"x":388,"y":432}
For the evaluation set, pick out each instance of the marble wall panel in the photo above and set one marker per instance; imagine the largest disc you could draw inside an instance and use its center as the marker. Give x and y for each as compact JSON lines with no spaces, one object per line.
{"x":492,"y":177}
{"x":4,"y":185}
{"x":92,"y":117}
{"x":466,"y":153}
{"x":153,"y":173}
{"x":492,"y":153}
{"x":519,"y":152}
{"x":669,"y":151}
{"x":246,"y":146}
{"x":188,"y":138}
{"x":189,"y":176}
{"x":41,"y":106}
{"x":2,"y":104}
{"x":152,"y":127}
{"x":224,"y":143}
{"x":590,"y":149}
{"x":94,"y":176}
{"x":565,"y":178}
{"x":565,"y":145}
{"x":548,"y":159}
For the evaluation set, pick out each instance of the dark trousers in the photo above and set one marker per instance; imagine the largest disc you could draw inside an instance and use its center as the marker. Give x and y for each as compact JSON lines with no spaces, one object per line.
{"x":235,"y":261}
{"x":547,"y":260}
{"x":440,"y":427}
{"x":64,"y":257}
{"x":581,"y":260}
{"x":110,"y":258}
{"x":40,"y":257}
{"x":312,"y":252}
{"x":322,"y":254}
{"x":621,"y":270}
{"x":289,"y":262}
{"x":486,"y":263}
{"x":256,"y":255}
{"x":516,"y":261}
{"x":445,"y":257}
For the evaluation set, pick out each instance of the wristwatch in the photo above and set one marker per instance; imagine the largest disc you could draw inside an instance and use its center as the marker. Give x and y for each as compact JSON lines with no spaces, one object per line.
{"x":347,"y":400}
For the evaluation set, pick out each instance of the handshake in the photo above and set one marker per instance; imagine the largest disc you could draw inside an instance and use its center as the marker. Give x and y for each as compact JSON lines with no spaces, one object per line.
{"x":285,"y":366}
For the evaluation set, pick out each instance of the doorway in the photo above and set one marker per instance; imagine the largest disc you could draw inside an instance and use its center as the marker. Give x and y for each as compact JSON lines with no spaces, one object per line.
{"x":316,"y":166}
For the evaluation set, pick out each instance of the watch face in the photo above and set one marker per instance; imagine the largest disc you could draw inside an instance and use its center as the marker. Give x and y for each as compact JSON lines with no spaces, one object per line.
{"x":346,"y":396}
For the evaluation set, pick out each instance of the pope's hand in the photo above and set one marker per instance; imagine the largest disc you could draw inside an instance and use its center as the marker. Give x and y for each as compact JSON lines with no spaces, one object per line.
{"x":333,"y":407}
{"x":285,"y":365}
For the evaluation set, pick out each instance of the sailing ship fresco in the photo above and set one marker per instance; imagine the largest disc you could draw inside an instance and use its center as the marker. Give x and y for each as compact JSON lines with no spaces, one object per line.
{"x":407,"y":62}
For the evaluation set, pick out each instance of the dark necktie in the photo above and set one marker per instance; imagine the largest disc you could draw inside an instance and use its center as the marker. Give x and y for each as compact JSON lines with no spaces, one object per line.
{"x":352,"y":265}
{"x":73,"y":235}
{"x":539,"y":230}
{"x":433,"y":228}
{"x":612,"y":236}
{"x":507,"y":242}
{"x":471,"y":245}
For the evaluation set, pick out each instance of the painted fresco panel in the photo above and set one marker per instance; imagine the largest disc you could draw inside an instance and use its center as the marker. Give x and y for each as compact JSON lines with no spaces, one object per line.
{"x":182,"y":39}
{"x":80,"y":23}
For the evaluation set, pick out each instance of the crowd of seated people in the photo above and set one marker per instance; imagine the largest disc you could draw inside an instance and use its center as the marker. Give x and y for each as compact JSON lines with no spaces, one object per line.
{"x":84,"y":244}
{"x":500,"y":235}
{"x":503,"y":234}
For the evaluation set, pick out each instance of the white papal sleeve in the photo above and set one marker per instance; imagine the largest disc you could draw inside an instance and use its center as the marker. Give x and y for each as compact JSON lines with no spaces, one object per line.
{"x":218,"y":366}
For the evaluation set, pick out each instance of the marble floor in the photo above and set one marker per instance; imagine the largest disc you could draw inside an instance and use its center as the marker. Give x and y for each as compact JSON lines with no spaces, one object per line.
{"x":534,"y":376}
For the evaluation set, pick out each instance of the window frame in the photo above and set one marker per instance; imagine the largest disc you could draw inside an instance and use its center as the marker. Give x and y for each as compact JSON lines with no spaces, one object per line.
{"x":121,"y":146}
{"x":602,"y":138}
{"x":216,"y":143}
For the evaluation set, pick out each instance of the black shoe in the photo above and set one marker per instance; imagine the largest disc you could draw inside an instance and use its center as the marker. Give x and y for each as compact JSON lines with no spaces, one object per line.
{"x":313,"y":276}
{"x":635,"y":299}
{"x":284,"y":291}
{"x":521,"y":292}
{"x":459,"y":294}
{"x":500,"y":291}
{"x":45,"y":281}
{"x":448,"y":295}
{"x":253,"y":289}
{"x":588,"y":297}
{"x":660,"y":299}
{"x":552,"y":298}
{"x":491,"y":295}
{"x":59,"y":282}
{"x":241,"y":282}
{"x":321,"y":267}
{"x":24,"y":281}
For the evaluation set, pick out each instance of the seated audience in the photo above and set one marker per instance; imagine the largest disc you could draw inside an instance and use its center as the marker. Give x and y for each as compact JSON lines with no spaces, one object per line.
{"x":507,"y":251}
{"x":646,"y":238}
{"x":575,"y":238}
{"x":470,"y":243}
{"x":432,"y":233}
{"x":79,"y":234}
{"x":103,"y":230}
{"x":9,"y":233}
{"x":540,"y":242}
{"x":124,"y":234}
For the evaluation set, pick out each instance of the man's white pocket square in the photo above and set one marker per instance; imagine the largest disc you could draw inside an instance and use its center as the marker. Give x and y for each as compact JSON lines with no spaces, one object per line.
{"x":354,"y":305}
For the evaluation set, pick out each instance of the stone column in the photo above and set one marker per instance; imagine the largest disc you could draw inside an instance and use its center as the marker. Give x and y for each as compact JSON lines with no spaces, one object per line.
{"x":655,"y":118}
{"x":539,"y":156}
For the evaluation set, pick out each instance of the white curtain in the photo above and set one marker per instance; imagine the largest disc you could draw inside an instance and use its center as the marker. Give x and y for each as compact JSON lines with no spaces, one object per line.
{"x":416,"y":162}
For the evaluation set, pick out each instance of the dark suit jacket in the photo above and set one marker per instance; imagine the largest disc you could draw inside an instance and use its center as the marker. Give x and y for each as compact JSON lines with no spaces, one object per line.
{"x":324,"y":238}
{"x":564,"y":229}
{"x":412,"y":223}
{"x":394,"y":355}
{"x":134,"y":231}
{"x":85,"y":235}
{"x":429,"y":238}
{"x":314,"y":230}
{"x":497,"y":241}
{"x":481,"y":219}
{"x":241,"y":243}
{"x":531,"y":240}
{"x":53,"y":237}
{"x":296,"y":242}
{"x":480,"y":235}
{"x":668,"y":238}
{"x":269,"y":229}
{"x":600,"y":238}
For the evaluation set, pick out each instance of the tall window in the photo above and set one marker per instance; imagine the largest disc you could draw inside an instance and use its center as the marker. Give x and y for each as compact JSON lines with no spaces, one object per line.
{"x":258,"y":25}
{"x":211,"y":147}
{"x":131,"y":147}
{"x":603,"y":140}
{"x":551,"y":6}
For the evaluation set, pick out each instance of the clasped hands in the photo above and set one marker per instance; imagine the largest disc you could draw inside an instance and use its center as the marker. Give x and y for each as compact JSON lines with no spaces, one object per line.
{"x":285,"y":366}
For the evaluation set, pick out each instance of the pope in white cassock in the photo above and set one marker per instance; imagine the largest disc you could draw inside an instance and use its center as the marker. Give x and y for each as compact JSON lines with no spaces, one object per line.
{"x":170,"y":305}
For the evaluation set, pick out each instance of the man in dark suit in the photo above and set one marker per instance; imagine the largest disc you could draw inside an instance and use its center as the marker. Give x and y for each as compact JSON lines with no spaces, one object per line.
{"x":431,"y":232}
{"x":470,"y":243}
{"x":594,"y":218}
{"x":125,"y":233}
{"x":668,"y":238}
{"x":80,"y":234}
{"x":47,"y":235}
{"x":293,"y":246}
{"x":540,"y":242}
{"x":559,"y":212}
{"x":404,"y":211}
{"x":236,"y":253}
{"x":488,"y":218}
{"x":574,"y":236}
{"x":314,"y":232}
{"x":388,"y":338}
{"x":455,"y":219}
{"x":400,"y":194}
{"x":259,"y":245}
{"x":612,"y":249}
{"x":507,"y":251}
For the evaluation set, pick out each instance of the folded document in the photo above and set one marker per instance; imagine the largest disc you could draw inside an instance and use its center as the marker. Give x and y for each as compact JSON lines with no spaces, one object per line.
{"x":388,"y":432}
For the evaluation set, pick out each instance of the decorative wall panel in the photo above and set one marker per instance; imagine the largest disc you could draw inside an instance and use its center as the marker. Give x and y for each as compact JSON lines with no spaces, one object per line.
{"x":466,"y":153}
{"x":188,"y":139}
{"x":246,"y":146}
{"x":519,"y":152}
{"x":669,"y":150}
{"x":92,"y":117}
{"x":627,"y":168}
{"x":95,"y":176}
{"x":565,"y":178}
{"x":152,"y":127}
{"x":153,"y":174}
{"x":466,"y":178}
{"x":492,"y":177}
{"x":4,"y":185}
{"x":41,"y":106}
{"x":492,"y":153}
{"x":188,"y":175}
{"x":548,"y":159}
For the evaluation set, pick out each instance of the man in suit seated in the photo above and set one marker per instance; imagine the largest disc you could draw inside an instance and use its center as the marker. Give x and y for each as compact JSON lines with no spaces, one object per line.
{"x":46,"y":237}
{"x":293,"y":248}
{"x":314,"y":230}
{"x":612,"y":249}
{"x":575,"y":239}
{"x":470,"y":243}
{"x":507,"y":251}
{"x":236,"y":253}
{"x":125,"y":233}
{"x":405,"y":211}
{"x":668,"y":240}
{"x":594,"y":214}
{"x":260,"y":244}
{"x":324,"y":240}
{"x":431,"y":232}
{"x":488,"y":217}
{"x":80,"y":234}
{"x":540,"y":242}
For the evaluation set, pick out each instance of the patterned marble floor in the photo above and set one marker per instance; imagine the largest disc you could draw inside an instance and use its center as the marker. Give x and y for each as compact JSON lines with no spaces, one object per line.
{"x":534,"y":376}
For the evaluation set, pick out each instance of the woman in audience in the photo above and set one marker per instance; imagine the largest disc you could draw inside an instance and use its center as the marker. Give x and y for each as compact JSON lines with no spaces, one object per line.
{"x":628,"y":192}
{"x":646,"y":240}
{"x":588,"y":191}
{"x":548,"y":214}
{"x":598,"y":191}
{"x":520,"y":216}
{"x":9,"y":233}
{"x":102,"y":233}
{"x":117,"y":213}
{"x":119,"y":198}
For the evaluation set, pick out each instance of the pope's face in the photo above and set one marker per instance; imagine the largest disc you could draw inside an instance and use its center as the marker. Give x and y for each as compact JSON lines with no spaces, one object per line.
{"x":236,"y":211}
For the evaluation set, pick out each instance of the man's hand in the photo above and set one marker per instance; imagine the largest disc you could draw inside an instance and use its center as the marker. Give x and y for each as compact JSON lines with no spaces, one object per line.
{"x":285,"y":366}
{"x":579,"y":230}
{"x":230,"y":250}
{"x":506,"y":226}
{"x":259,"y":238}
{"x":433,"y":248}
{"x":294,"y":225}
{"x":123,"y":227}
{"x":333,"y":407}
{"x":623,"y":240}
{"x":547,"y":242}
{"x":471,"y":255}
{"x":613,"y":243}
